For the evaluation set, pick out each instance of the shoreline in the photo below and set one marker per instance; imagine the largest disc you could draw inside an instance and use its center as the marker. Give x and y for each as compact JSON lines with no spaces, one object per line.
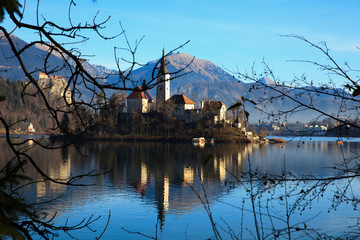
{"x":160,"y":139}
{"x":172,"y":139}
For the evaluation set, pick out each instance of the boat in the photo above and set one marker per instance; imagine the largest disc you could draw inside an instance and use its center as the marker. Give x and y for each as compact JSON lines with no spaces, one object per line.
{"x":195,"y":140}
{"x":198,"y":140}
{"x":339,"y":142}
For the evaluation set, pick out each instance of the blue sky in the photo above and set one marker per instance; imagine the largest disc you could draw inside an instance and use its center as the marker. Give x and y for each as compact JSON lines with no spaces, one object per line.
{"x":232,"y":34}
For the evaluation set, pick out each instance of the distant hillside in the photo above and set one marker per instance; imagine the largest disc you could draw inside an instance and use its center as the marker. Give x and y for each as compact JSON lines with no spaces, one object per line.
{"x":33,"y":59}
{"x":204,"y":80}
{"x":13,"y":109}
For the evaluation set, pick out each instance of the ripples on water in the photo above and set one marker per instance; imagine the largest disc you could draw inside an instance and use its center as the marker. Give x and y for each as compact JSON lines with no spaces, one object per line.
{"x":149,"y":184}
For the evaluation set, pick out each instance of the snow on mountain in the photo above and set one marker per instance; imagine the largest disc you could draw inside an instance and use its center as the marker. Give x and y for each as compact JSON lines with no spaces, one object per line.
{"x":265,"y":81}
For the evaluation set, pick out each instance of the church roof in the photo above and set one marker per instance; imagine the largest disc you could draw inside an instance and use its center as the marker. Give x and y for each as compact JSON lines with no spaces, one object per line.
{"x":181,"y":99}
{"x":138,"y":94}
{"x":163,"y":67}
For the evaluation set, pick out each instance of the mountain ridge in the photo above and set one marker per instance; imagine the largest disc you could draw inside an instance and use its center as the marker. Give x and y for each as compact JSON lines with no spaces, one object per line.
{"x":33,"y":58}
{"x":202,"y":80}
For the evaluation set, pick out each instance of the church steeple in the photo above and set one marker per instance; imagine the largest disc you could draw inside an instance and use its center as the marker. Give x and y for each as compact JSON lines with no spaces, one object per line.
{"x":163,"y":83}
{"x":163,"y":67}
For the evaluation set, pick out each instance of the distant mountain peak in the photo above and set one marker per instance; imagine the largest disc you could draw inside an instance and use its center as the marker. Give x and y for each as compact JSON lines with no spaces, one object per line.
{"x":265,"y":81}
{"x":199,"y":70}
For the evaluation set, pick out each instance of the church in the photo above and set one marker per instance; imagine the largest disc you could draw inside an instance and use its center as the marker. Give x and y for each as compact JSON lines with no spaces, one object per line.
{"x":142,"y":101}
{"x":181,"y":106}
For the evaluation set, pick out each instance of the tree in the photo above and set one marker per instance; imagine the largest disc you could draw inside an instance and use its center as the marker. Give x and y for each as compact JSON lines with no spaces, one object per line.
{"x":65,"y":123}
{"x":19,"y":219}
{"x":301,"y":190}
{"x":303,"y":92}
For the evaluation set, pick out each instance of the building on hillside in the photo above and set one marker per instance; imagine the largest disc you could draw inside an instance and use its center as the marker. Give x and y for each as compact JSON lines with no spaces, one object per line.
{"x":163,"y":84}
{"x":54,"y":85}
{"x":42,"y":76}
{"x":139,"y":101}
{"x":29,"y":127}
{"x":214,"y":110}
{"x":183,"y":107}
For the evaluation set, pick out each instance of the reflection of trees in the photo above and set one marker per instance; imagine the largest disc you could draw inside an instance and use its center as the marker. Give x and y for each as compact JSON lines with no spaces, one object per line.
{"x":285,"y":196}
{"x":160,"y":173}
{"x":56,"y":164}
{"x":150,"y":167}
{"x":82,"y":100}
{"x":157,"y":172}
{"x":285,"y":181}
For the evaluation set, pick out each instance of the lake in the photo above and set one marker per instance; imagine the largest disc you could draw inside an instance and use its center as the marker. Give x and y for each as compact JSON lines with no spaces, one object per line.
{"x":164,"y":190}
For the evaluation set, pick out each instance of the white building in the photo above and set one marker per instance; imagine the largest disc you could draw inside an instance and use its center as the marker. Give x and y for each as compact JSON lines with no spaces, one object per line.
{"x":163,"y":84}
{"x":183,"y":107}
{"x":139,"y":101}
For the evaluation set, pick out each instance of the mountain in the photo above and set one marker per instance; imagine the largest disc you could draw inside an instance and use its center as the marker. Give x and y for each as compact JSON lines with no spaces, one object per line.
{"x":202,"y":80}
{"x":205,"y":80}
{"x":33,"y":59}
{"x":198,"y":71}
{"x":265,"y":81}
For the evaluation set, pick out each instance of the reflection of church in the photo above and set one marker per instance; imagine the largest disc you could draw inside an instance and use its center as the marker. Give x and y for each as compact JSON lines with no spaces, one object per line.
{"x":167,"y":182}
{"x":182,"y":107}
{"x":158,"y":173}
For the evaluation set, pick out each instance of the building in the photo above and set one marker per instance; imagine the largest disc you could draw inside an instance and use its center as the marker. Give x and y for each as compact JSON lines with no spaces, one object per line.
{"x":214,"y":110}
{"x":163,"y":84}
{"x":183,"y":107}
{"x":139,"y":101}
{"x":179,"y":106}
{"x":54,"y":85}
{"x":29,"y":127}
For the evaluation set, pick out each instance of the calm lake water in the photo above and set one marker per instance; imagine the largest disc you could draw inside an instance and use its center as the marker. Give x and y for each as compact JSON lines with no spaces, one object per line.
{"x":148,"y":188}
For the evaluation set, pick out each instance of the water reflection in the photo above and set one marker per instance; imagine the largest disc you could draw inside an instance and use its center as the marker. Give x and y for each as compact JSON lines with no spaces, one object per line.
{"x":159,"y":173}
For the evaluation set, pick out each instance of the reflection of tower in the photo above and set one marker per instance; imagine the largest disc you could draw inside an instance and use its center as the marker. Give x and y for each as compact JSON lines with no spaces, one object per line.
{"x":188,"y":175}
{"x":166,"y":193}
{"x":144,"y":175}
{"x":144,"y":179}
{"x":162,"y":189}
{"x":163,"y":83}
{"x":222,"y":168}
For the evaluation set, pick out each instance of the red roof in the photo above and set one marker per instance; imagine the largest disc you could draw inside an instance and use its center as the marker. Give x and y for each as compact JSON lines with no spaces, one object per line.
{"x":181,"y":99}
{"x":138,"y":94}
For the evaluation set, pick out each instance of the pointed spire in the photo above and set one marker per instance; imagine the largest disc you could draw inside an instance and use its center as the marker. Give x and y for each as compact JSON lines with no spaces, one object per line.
{"x":163,"y":67}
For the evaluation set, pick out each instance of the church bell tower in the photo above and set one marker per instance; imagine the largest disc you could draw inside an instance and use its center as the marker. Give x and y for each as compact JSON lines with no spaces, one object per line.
{"x":163,"y":83}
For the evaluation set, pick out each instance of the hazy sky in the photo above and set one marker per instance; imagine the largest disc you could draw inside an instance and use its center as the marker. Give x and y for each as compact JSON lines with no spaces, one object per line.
{"x":232,"y":34}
